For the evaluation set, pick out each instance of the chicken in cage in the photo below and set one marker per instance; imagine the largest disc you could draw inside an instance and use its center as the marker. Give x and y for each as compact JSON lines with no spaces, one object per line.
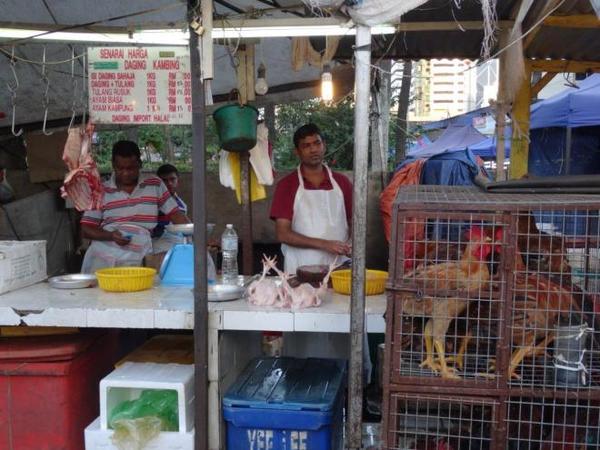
{"x":449,"y":266}
{"x":552,"y":424}
{"x":430,"y":422}
{"x":472,"y":271}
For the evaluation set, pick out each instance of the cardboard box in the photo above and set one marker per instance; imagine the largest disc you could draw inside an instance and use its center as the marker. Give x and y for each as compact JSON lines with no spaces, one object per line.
{"x":22,"y":263}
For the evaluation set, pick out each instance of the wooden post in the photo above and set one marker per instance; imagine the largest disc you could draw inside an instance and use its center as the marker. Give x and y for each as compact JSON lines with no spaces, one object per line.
{"x":380,"y":120}
{"x":519,"y":151}
{"x":245,"y":78}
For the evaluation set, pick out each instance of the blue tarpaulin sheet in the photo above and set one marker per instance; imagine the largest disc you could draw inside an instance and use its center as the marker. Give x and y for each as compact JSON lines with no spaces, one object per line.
{"x":449,"y":160}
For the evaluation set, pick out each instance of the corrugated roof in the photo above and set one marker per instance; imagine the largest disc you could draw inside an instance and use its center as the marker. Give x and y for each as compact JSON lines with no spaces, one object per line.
{"x":550,"y":42}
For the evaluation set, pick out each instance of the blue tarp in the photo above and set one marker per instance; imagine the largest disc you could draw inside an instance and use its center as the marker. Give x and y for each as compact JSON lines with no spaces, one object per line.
{"x":449,"y":160}
{"x":487,"y":149}
{"x":454,"y":138}
{"x":572,"y":108}
{"x":462,"y":120}
{"x":547,"y":151}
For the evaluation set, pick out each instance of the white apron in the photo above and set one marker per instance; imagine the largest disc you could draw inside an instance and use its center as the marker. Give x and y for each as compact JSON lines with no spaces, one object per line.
{"x":318,"y":214}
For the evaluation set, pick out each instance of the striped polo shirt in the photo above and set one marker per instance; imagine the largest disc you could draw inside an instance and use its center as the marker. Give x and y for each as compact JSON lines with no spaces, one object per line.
{"x":142,"y":207}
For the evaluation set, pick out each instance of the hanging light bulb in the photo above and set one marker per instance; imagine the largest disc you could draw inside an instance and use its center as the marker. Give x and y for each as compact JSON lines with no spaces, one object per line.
{"x":326,"y":84}
{"x":261,"y":87}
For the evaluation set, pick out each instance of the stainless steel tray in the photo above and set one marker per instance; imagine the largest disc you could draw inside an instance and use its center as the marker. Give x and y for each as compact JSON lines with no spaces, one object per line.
{"x":225,"y":292}
{"x":73,"y":281}
{"x":187,"y":229}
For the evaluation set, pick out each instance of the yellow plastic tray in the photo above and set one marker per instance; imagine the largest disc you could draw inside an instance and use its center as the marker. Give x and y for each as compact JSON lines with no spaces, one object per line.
{"x":126,"y":279}
{"x":375,"y":281}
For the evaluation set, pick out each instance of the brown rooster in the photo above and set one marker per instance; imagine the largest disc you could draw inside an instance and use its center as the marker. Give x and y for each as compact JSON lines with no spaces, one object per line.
{"x":538,"y":303}
{"x":467,"y":276}
{"x":542,"y":252}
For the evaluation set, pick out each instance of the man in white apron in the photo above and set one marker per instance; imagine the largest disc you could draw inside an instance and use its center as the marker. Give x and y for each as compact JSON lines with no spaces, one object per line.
{"x":312,"y":207}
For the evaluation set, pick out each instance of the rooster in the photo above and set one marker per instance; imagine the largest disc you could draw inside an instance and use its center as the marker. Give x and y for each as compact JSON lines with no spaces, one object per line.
{"x":543,"y":252}
{"x":467,"y":276}
{"x":538,"y":304}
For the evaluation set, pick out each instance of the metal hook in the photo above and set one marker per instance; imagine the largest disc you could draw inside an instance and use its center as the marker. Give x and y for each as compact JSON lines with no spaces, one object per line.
{"x":45,"y":102}
{"x":13,"y":94}
{"x":74,"y":86}
{"x":83,"y":88}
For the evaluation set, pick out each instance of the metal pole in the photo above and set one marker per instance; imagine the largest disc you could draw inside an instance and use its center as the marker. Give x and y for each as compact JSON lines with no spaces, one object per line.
{"x":568,"y":145}
{"x":359,"y":234}
{"x":200,"y":244}
{"x":247,"y":252}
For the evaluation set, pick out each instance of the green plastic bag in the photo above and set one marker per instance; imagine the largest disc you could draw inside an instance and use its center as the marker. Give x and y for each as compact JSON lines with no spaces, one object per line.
{"x":136,"y":422}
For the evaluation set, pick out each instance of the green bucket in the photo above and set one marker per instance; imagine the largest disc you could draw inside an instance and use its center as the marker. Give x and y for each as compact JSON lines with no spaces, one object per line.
{"x":236,"y":126}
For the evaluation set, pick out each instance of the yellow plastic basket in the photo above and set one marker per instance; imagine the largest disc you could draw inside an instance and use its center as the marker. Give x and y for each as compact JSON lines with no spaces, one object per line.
{"x":374,"y":281}
{"x":126,"y":279}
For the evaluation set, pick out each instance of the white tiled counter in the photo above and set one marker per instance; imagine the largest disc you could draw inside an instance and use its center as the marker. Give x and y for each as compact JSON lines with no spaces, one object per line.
{"x":172,"y":308}
{"x":234,"y":333}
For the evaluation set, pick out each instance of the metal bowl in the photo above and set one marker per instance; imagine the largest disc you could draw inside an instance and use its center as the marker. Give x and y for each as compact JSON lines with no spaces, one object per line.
{"x":187,"y":229}
{"x":225,"y":292}
{"x":73,"y":281}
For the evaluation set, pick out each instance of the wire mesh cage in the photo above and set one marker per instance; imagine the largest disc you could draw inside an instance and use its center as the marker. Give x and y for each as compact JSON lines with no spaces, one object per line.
{"x":494,"y":288}
{"x":431,"y":422}
{"x":548,"y":424}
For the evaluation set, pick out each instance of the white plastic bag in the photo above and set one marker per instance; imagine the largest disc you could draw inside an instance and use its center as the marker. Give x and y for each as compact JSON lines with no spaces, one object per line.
{"x":259,"y":156}
{"x":102,"y":254}
{"x":225,"y":173}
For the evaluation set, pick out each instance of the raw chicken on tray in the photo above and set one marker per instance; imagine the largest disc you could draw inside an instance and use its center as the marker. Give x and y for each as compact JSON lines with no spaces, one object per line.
{"x":267,"y":292}
{"x":82,"y":184}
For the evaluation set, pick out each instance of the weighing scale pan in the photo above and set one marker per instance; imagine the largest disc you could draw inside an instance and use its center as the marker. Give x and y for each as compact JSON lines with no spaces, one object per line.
{"x":225,"y":292}
{"x":187,"y":229}
{"x":73,"y":281}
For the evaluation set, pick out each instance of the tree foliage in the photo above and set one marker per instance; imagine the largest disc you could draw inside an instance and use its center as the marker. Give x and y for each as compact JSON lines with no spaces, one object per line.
{"x":159,"y":142}
{"x":335,"y":121}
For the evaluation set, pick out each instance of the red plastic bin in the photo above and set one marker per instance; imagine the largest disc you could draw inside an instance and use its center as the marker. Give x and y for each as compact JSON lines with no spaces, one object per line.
{"x":49,"y":388}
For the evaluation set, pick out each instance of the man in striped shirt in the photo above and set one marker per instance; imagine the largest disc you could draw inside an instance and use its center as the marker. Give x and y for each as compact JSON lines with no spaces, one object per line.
{"x":129,"y":199}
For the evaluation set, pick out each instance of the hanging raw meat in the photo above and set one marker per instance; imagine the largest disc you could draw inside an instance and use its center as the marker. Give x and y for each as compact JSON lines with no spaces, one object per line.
{"x":82,"y":184}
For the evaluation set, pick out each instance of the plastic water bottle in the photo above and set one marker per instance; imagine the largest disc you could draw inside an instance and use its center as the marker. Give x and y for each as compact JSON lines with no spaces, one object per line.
{"x":229,"y":246}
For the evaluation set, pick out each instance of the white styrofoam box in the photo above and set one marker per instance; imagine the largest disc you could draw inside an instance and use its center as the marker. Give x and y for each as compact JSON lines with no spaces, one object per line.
{"x":130,"y":379}
{"x":22,"y":263}
{"x":98,"y":439}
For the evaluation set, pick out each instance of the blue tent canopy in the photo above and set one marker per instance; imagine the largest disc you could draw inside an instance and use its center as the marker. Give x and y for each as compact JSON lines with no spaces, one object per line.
{"x":571,"y":108}
{"x":487,"y":149}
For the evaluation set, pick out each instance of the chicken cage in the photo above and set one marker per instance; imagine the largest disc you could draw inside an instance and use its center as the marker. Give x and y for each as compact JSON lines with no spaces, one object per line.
{"x":493,"y":290}
{"x":435,"y":422}
{"x":552,"y":424}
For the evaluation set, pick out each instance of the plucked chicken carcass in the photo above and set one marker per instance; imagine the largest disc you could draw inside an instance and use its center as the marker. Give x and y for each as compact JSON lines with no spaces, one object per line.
{"x":305,"y":295}
{"x":264,"y":291}
{"x":468,"y":276}
{"x":82,"y":184}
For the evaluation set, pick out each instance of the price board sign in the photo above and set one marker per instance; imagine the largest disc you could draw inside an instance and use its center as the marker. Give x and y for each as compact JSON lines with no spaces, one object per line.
{"x":140,"y":85}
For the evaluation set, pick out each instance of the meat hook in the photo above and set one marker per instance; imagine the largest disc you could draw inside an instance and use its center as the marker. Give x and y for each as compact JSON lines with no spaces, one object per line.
{"x":45,"y":102}
{"x":13,"y":94}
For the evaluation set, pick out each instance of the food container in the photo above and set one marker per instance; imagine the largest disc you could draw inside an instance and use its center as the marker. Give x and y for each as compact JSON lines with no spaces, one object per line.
{"x":374,"y":281}
{"x":126,"y":279}
{"x":312,"y":274}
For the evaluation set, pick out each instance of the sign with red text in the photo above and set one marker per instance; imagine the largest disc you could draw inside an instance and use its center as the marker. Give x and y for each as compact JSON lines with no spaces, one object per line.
{"x":140,"y":85}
